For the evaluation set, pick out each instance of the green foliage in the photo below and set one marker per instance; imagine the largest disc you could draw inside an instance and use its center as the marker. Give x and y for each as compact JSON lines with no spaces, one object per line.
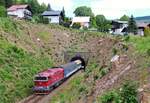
{"x":8,"y":3}
{"x":127,"y":38}
{"x":2,"y":3}
{"x":124,"y":18}
{"x":141,"y":44}
{"x":3,"y":12}
{"x":17,"y":70}
{"x":104,"y":71}
{"x":93,"y":22}
{"x":129,"y":93}
{"x":148,"y":52}
{"x":76,"y":26}
{"x":72,"y":92}
{"x":83,"y":11}
{"x":114,"y":51}
{"x":34,"y":6}
{"x":63,"y":14}
{"x":132,"y":27}
{"x":110,"y":97}
{"x":40,"y":19}
{"x":103,"y":24}
{"x":147,"y":32}
{"x":8,"y":25}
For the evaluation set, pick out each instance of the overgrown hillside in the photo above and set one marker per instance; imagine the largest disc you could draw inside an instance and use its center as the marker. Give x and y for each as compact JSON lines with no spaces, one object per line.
{"x":27,"y":48}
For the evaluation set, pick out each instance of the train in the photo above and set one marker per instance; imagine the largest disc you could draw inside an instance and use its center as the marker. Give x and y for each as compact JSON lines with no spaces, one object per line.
{"x":47,"y":80}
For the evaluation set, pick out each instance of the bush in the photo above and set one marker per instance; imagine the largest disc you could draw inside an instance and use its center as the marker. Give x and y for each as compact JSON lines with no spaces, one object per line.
{"x":147,"y":32}
{"x":76,"y":26}
{"x":40,"y":19}
{"x":66,"y":24}
{"x":148,"y":52}
{"x":129,"y":92}
{"x":114,"y":51}
{"x":110,"y":97}
{"x":3,"y":12}
{"x":127,"y":38}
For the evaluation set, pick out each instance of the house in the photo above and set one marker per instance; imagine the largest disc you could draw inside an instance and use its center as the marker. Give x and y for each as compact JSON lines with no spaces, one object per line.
{"x":20,"y":11}
{"x":52,"y":15}
{"x":141,"y":27}
{"x":84,"y":21}
{"x":142,"y":23}
{"x":119,"y":27}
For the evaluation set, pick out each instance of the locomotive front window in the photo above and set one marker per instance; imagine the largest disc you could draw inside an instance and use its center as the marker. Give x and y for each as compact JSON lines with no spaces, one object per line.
{"x":41,"y":78}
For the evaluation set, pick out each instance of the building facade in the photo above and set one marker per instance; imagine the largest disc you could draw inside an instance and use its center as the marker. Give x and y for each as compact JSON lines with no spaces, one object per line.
{"x":20,"y":11}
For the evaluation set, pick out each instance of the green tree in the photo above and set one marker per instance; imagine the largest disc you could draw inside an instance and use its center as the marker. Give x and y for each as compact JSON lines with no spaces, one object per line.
{"x":132,"y":27}
{"x":102,"y":23}
{"x":93,"y":22}
{"x":49,"y":7}
{"x":34,"y":6}
{"x":2,"y":3}
{"x":42,"y":8}
{"x":8,"y":3}
{"x":124,"y":18}
{"x":3,"y":11}
{"x":63,"y":14}
{"x":83,"y":11}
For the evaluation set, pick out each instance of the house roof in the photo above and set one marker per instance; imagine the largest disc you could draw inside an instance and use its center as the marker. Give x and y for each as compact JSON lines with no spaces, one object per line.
{"x":81,"y":19}
{"x":51,"y":13}
{"x":15,"y":7}
{"x":122,"y":22}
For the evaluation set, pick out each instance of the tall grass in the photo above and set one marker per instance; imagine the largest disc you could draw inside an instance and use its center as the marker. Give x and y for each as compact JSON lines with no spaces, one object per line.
{"x":142,"y":44}
{"x":17,"y":68}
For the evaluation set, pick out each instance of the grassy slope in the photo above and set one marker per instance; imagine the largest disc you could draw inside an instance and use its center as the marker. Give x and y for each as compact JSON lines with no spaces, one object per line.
{"x":21,"y":57}
{"x":17,"y":64}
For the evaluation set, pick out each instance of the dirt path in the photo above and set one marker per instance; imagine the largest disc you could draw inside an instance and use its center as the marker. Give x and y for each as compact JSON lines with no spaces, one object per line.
{"x":46,"y":98}
{"x":108,"y":81}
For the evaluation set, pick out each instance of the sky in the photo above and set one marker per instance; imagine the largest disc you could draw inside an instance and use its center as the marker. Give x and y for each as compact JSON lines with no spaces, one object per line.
{"x":111,"y":9}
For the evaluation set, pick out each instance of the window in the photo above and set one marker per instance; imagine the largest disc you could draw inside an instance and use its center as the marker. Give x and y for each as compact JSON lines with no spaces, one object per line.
{"x":41,"y":78}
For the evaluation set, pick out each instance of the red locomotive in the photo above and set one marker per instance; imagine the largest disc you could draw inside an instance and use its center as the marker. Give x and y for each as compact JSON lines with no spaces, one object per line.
{"x":47,"y":80}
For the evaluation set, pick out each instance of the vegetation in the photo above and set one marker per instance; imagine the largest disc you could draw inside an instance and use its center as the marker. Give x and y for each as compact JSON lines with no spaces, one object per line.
{"x":132,"y":27}
{"x":124,"y":18}
{"x":127,"y":94}
{"x":83,"y":11}
{"x":3,"y":11}
{"x":102,"y":24}
{"x":76,"y":26}
{"x":147,"y":31}
{"x":17,"y":65}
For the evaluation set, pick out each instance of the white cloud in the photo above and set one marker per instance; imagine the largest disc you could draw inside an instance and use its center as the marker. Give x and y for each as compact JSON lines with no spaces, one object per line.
{"x":110,"y":8}
{"x":58,"y":4}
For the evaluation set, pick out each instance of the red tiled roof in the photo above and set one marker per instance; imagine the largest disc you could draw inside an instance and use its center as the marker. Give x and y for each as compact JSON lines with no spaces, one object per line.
{"x":15,"y":7}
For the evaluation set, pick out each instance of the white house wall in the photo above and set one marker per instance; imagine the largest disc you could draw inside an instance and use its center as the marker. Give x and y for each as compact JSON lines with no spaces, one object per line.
{"x":20,"y":13}
{"x":53,"y":19}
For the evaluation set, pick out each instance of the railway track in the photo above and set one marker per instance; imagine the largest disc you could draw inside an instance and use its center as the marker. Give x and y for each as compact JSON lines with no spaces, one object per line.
{"x":46,"y":98}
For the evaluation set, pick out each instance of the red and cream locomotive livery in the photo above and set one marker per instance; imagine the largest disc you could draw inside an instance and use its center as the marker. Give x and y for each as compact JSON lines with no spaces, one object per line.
{"x":46,"y":80}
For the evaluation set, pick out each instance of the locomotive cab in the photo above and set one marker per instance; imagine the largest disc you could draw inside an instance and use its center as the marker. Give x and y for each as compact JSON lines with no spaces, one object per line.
{"x":46,"y":80}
